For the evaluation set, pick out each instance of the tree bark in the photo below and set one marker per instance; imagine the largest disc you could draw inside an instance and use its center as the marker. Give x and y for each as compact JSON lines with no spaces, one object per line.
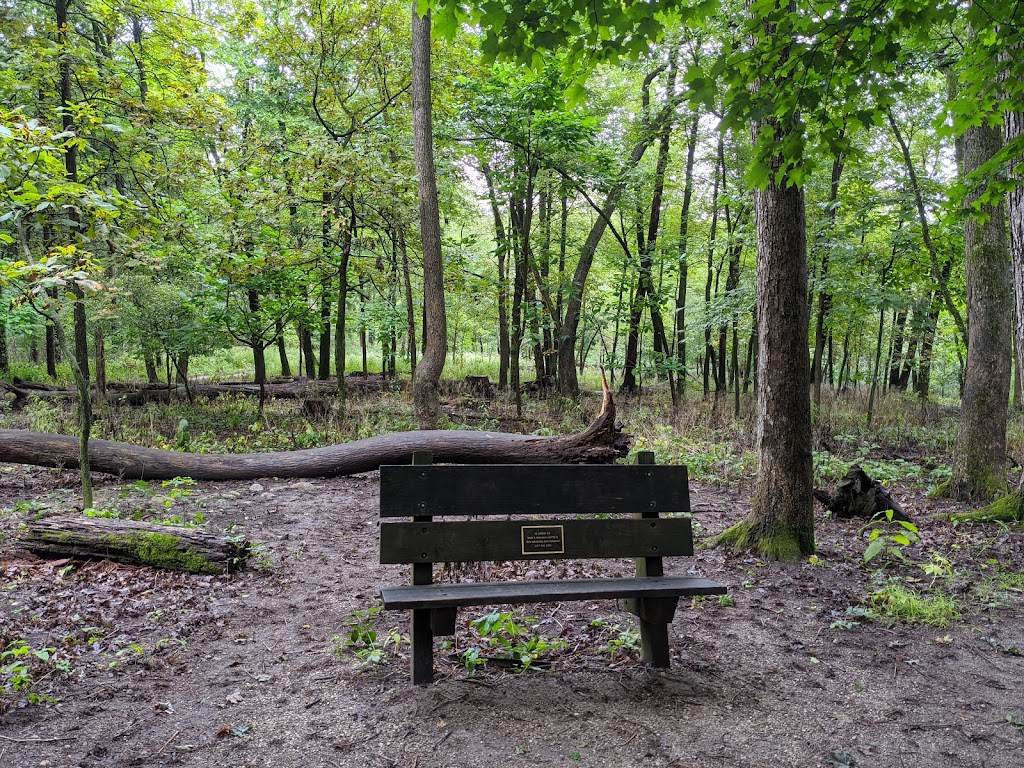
{"x":501,"y":241}
{"x":684,"y":220}
{"x":129,"y":541}
{"x":435,"y":342}
{"x":979,"y":457}
{"x":1013,"y":130}
{"x":824,"y":294}
{"x":782,"y":515}
{"x":601,"y":442}
{"x":5,"y":363}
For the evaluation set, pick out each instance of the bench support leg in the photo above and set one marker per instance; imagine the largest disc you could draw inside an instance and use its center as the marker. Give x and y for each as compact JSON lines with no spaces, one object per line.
{"x":422,"y":648}
{"x":654,"y":643}
{"x":655,"y":614}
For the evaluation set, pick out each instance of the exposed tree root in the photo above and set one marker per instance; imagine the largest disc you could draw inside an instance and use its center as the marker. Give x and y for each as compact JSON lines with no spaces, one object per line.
{"x":781,"y":545}
{"x":1009,"y":509}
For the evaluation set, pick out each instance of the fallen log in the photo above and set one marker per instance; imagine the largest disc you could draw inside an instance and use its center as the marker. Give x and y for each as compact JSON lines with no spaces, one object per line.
{"x":139,"y":394}
{"x":859,"y":496}
{"x":602,"y":442}
{"x":129,"y":541}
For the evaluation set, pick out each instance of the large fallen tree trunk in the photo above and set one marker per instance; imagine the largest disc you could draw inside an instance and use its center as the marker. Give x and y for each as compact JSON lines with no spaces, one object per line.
{"x":601,"y":442}
{"x":129,"y":541}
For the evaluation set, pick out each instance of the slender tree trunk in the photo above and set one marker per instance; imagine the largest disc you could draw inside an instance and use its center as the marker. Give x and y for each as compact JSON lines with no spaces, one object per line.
{"x":684,"y":222}
{"x":896,"y":357}
{"x":517,"y":331}
{"x":80,"y":359}
{"x":99,"y":353}
{"x":309,"y":359}
{"x":709,"y":352}
{"x":874,"y":370}
{"x":937,"y":271}
{"x":410,"y":307}
{"x":568,"y":383}
{"x":824,"y":294}
{"x":340,"y":348}
{"x":282,"y":350}
{"x":259,"y":359}
{"x":979,"y":457}
{"x":501,"y":247}
{"x":426,"y":399}
{"x":324,"y":369}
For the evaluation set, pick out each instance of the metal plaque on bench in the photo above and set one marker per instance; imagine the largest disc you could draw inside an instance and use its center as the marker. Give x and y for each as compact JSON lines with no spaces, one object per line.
{"x":543,"y":539}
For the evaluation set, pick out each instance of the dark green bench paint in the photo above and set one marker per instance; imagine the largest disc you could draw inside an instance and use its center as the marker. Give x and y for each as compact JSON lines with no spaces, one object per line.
{"x":647,"y":491}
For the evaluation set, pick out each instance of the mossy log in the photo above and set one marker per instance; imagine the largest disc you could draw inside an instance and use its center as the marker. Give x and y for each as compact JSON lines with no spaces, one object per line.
{"x":128,"y":541}
{"x":602,"y":442}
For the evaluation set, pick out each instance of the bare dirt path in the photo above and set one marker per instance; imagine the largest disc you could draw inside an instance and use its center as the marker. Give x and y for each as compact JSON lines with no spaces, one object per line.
{"x":169,"y":669}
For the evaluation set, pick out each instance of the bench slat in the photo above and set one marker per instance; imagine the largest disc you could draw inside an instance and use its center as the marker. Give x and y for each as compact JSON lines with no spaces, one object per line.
{"x":508,"y":489}
{"x":474,"y":540}
{"x":541,"y":591}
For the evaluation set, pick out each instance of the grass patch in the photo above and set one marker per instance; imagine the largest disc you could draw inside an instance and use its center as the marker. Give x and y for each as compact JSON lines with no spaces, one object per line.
{"x":894,"y":601}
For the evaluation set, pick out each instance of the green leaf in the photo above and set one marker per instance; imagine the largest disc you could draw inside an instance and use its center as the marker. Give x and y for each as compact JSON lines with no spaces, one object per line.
{"x":873,"y":549}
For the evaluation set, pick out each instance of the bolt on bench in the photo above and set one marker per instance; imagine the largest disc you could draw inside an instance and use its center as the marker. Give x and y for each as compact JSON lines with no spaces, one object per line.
{"x":576,"y":494}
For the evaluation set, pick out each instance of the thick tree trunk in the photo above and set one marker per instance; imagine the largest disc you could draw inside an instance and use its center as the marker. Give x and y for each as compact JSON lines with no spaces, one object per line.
{"x":1013,"y":129}
{"x":129,"y":541}
{"x":601,"y":442}
{"x":782,"y":515}
{"x":781,"y":522}
{"x":979,"y":457}
{"x":435,"y":339}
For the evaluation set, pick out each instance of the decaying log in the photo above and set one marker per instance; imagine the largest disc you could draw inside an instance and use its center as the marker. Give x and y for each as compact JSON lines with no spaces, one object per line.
{"x":129,"y":541}
{"x":860,"y":496}
{"x":139,"y":394}
{"x":603,"y":441}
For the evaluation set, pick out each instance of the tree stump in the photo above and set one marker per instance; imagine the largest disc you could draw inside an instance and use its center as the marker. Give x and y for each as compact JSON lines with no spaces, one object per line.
{"x":480,"y":387}
{"x":860,"y":496}
{"x":128,"y":541}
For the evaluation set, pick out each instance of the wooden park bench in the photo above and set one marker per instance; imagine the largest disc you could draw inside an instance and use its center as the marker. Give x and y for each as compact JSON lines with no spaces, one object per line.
{"x":589,"y":501}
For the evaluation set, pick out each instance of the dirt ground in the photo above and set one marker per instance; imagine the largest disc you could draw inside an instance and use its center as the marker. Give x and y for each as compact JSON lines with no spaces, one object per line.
{"x":178,"y":670}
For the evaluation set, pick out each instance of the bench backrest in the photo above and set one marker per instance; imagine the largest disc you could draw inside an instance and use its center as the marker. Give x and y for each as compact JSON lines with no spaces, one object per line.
{"x":582,"y":496}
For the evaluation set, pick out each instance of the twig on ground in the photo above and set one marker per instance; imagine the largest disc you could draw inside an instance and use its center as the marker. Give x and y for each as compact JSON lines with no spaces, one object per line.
{"x":34,"y":741}
{"x":167,"y":743}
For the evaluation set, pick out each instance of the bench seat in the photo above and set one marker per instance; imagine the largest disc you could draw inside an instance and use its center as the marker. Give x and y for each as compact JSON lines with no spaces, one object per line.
{"x":406,"y":597}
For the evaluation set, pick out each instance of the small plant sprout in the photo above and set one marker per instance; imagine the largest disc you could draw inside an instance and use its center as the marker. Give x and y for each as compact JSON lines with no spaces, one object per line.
{"x":884,"y":538}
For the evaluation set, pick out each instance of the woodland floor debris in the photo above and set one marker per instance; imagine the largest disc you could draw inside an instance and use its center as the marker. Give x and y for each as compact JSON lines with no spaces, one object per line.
{"x":164,"y":668}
